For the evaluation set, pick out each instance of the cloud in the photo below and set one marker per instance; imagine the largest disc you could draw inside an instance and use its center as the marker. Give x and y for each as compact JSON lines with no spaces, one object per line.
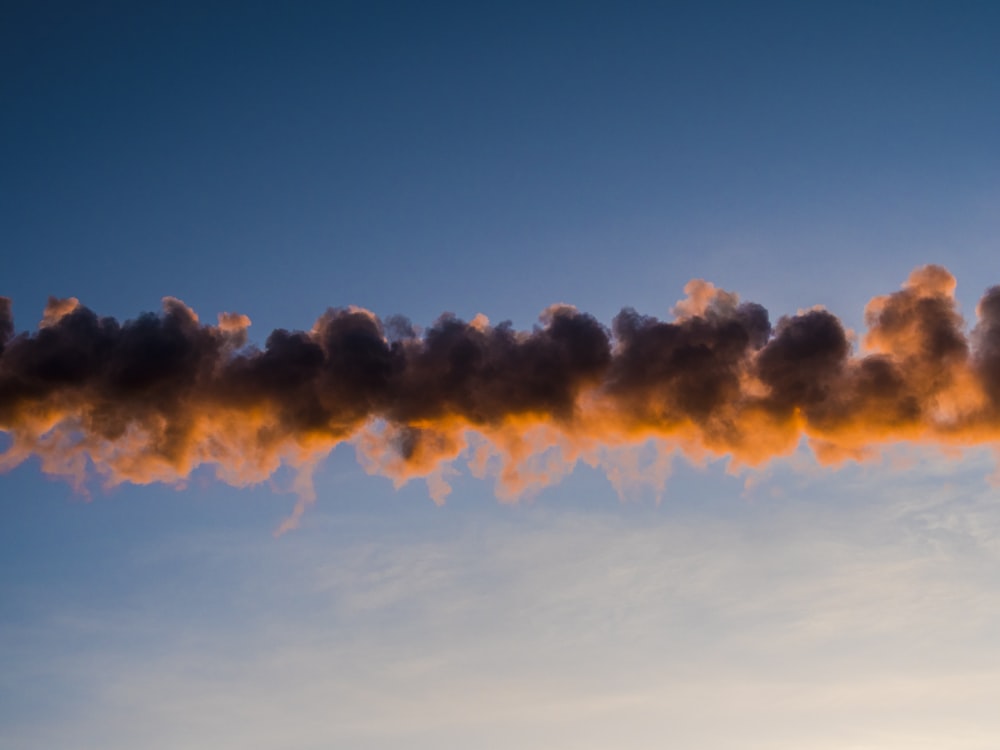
{"x":835,"y":619}
{"x":153,"y":398}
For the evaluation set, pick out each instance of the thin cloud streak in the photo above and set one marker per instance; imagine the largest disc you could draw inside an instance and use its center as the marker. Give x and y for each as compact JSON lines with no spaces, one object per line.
{"x":834,"y":621}
{"x":153,"y":398}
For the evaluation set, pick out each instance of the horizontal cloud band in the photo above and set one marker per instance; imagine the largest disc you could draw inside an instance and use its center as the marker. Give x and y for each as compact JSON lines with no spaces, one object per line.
{"x":153,"y":398}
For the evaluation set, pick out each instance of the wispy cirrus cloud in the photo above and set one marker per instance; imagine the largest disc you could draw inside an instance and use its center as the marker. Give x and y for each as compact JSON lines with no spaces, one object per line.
{"x":842,"y":620}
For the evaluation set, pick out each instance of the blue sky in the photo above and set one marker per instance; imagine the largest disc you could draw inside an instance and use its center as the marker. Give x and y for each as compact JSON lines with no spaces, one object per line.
{"x":418,"y":158}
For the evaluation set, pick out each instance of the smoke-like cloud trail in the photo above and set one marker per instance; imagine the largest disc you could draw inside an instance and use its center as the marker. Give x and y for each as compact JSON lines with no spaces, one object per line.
{"x":153,"y":398}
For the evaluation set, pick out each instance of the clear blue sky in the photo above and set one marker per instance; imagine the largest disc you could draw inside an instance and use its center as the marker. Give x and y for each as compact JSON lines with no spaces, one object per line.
{"x":416,"y":158}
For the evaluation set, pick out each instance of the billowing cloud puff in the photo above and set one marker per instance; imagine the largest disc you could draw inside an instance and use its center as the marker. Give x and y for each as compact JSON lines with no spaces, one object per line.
{"x":153,"y":398}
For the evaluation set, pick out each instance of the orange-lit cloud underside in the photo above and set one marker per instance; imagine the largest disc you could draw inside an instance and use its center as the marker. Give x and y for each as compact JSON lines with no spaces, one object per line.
{"x":153,"y":398}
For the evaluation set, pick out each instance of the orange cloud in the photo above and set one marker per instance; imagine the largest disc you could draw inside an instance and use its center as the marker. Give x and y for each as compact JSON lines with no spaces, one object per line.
{"x":154,"y":398}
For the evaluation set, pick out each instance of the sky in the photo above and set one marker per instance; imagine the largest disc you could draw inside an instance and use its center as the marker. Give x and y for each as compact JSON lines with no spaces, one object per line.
{"x":780,"y":585}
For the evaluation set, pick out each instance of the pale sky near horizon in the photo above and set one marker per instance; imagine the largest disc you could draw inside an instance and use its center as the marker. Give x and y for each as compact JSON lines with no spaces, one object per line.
{"x":421,"y":158}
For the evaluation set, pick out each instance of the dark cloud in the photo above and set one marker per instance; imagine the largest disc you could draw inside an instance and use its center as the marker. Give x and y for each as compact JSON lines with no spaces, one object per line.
{"x":803,"y":365}
{"x":153,"y":397}
{"x":987,"y":339}
{"x":6,"y":321}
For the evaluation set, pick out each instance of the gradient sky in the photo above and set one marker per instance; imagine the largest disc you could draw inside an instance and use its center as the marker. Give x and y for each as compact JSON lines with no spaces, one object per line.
{"x":418,"y":158}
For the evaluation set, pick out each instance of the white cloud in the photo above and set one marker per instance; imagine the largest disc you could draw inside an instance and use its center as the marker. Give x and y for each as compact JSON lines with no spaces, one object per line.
{"x":860,"y":614}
